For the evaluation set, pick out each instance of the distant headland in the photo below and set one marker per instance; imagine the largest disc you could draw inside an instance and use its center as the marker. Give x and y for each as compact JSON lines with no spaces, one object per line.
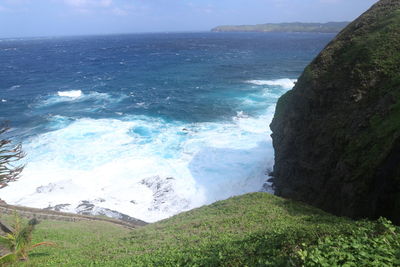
{"x":329,"y":27}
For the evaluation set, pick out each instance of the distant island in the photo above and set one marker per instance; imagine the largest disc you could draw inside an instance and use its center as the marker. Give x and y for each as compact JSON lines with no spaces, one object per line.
{"x":329,"y":27}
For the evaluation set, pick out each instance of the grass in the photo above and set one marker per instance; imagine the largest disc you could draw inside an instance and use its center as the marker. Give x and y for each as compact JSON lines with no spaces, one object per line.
{"x":251,"y":230}
{"x":376,"y":54}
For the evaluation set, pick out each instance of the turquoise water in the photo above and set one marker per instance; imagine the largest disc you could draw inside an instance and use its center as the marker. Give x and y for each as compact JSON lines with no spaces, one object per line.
{"x":148,"y":124}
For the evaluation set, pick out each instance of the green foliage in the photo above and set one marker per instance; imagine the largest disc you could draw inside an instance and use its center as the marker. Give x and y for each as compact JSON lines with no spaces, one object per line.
{"x":370,"y":244}
{"x":376,"y":56}
{"x":363,"y":59}
{"x":251,"y":230}
{"x":19,"y":241}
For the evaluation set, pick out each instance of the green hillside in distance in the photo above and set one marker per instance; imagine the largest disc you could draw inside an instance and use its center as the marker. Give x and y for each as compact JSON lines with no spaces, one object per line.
{"x":329,"y":27}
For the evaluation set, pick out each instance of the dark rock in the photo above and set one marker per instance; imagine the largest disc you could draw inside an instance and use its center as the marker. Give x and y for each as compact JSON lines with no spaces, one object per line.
{"x":88,"y":208}
{"x":6,"y":228}
{"x":337,"y":133}
{"x":59,"y":207}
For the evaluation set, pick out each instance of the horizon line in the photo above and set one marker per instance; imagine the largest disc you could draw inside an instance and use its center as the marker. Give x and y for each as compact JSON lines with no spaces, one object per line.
{"x":150,"y":32}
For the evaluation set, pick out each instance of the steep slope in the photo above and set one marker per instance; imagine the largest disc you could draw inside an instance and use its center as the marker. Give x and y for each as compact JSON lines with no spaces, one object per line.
{"x":337,"y":133}
{"x":256,"y":229}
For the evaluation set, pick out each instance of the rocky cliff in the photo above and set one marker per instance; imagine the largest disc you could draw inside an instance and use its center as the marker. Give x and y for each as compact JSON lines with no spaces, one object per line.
{"x":337,"y":133}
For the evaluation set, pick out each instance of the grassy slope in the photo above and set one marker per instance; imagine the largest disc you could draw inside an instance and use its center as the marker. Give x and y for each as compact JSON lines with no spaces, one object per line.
{"x":252,"y":230}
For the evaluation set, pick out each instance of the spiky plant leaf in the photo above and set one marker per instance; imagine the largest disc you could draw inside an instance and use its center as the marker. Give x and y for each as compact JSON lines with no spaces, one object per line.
{"x":8,"y":258}
{"x":19,"y":242}
{"x":24,"y":237}
{"x":6,"y":241}
{"x":51,"y":244}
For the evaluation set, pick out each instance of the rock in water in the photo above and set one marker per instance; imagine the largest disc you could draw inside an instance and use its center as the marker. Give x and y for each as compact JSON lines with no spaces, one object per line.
{"x":337,"y":133}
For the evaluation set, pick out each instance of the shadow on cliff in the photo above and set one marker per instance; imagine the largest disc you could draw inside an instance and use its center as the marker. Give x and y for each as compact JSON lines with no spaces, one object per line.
{"x":223,"y":172}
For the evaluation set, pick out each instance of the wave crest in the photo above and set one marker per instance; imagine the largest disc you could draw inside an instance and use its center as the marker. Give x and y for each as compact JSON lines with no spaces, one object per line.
{"x":144,"y":167}
{"x":71,"y":93}
{"x":284,"y":83}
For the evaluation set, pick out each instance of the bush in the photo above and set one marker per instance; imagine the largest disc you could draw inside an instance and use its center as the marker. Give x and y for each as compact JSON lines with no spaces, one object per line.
{"x":19,"y":241}
{"x":370,"y":244}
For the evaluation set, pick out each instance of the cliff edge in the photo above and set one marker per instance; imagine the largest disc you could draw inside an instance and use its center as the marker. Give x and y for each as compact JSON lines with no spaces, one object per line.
{"x":337,"y":133}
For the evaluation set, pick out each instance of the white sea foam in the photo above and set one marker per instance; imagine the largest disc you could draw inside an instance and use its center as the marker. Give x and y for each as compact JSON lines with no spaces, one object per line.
{"x":284,"y":83}
{"x":112,"y":160}
{"x":144,"y":167}
{"x":9,"y":49}
{"x":71,"y":93}
{"x":14,"y":87}
{"x":75,"y":96}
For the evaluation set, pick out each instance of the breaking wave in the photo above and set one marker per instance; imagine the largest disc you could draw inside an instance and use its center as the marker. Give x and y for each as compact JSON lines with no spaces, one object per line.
{"x":72,"y":93}
{"x":284,"y":83}
{"x":148,"y":168}
{"x":75,"y":96}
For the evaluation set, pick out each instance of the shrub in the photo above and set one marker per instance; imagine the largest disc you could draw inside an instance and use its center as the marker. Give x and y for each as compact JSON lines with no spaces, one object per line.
{"x":370,"y":244}
{"x":19,"y":241}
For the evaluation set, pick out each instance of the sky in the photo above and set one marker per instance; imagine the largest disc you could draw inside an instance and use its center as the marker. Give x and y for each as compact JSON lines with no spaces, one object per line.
{"x":25,"y":18}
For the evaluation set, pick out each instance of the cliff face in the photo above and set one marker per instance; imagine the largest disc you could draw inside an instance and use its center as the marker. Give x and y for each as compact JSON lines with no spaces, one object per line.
{"x":337,"y":133}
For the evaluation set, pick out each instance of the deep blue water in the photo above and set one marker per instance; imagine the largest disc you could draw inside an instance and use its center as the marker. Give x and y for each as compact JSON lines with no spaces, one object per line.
{"x":100,"y":116}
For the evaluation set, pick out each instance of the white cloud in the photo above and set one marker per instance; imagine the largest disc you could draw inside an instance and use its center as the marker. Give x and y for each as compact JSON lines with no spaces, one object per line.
{"x":89,"y":3}
{"x":13,"y":5}
{"x":76,"y":3}
{"x":330,"y":1}
{"x":105,"y":3}
{"x":92,"y":6}
{"x":207,"y":9}
{"x":119,"y":12}
{"x":15,"y":2}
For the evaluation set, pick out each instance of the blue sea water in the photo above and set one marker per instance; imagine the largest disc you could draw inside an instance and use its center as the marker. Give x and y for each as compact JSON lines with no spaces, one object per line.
{"x":146,"y":124}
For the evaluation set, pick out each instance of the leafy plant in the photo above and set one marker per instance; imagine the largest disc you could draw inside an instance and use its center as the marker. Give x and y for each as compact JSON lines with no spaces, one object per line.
{"x":371,"y":244}
{"x":256,"y":229}
{"x":19,"y":241}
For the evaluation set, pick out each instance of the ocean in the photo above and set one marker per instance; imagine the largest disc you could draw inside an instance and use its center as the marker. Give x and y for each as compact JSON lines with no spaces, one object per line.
{"x":147,"y":125}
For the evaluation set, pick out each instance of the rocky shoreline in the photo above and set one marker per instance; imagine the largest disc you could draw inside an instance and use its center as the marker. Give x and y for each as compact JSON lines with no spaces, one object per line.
{"x":47,"y":214}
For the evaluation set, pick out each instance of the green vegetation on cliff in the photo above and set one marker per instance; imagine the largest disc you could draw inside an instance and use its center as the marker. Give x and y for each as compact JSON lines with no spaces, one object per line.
{"x":251,"y":230}
{"x":330,"y":27}
{"x":337,"y":133}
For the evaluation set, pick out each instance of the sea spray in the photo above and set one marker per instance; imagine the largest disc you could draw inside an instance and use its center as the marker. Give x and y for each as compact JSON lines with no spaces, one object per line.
{"x":108,"y":163}
{"x":181,"y":123}
{"x":72,"y":93}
